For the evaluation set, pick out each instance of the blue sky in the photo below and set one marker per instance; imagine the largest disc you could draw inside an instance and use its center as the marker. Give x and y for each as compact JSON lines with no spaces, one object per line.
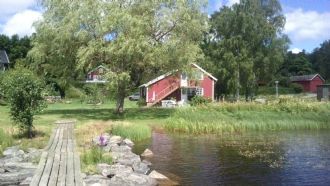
{"x":308,"y":21}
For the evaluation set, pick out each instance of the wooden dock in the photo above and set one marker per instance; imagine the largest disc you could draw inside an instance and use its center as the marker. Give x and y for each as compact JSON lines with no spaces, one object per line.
{"x":59,"y":163}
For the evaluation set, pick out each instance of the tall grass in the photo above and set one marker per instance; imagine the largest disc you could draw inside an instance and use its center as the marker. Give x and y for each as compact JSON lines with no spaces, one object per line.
{"x":132,"y":131}
{"x":92,"y":157}
{"x":239,"y":117}
{"x":5,"y":141}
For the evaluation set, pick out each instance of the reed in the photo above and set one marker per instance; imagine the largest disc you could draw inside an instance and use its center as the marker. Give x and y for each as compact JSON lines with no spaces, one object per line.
{"x":5,"y":141}
{"x":91,"y":157}
{"x":240,"y":117}
{"x":135,"y":132}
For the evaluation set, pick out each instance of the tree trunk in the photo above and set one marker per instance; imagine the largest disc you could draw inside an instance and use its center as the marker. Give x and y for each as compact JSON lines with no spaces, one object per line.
{"x":120,"y":104}
{"x":121,"y":93}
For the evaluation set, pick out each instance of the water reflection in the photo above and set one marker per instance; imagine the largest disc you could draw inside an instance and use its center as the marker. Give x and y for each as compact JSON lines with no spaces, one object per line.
{"x":286,"y":158}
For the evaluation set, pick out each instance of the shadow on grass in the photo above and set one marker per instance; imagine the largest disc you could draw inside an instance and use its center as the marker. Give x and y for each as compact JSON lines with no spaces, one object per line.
{"x":108,"y":114}
{"x":24,"y":134}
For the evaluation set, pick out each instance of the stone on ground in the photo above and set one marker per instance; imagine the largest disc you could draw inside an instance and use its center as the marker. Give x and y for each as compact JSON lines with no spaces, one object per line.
{"x":147,"y":153}
{"x":134,"y":178}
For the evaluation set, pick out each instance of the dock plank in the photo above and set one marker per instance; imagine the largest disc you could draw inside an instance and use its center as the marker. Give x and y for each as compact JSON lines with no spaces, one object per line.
{"x":59,"y":163}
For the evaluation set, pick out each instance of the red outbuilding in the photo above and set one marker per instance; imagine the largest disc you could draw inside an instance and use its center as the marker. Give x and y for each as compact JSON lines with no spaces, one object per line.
{"x":309,"y":82}
{"x":179,"y":86}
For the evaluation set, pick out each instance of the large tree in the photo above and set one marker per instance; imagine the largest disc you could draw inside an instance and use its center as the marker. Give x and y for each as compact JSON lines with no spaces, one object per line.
{"x":133,"y":38}
{"x":320,"y":59}
{"x":247,"y":44}
{"x":15,"y":46}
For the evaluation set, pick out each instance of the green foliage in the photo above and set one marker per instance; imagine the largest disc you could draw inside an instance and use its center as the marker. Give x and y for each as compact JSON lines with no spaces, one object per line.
{"x":134,"y":132}
{"x":24,"y":93}
{"x":246,"y":45}
{"x":297,"y":88}
{"x":16,"y":47}
{"x":199,"y":101}
{"x":320,"y":59}
{"x":92,"y":157}
{"x":125,"y":37}
{"x":73,"y":92}
{"x":141,"y":102}
{"x":95,"y":94}
{"x":296,"y":64}
{"x":266,"y":90}
{"x":5,"y":141}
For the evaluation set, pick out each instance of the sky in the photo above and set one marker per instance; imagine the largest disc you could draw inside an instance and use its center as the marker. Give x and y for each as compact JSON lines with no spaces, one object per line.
{"x":307,"y":21}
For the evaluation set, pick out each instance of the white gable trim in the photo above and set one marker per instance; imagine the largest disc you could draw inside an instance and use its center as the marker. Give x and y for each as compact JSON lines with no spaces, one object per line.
{"x":319,"y":76}
{"x":100,"y":66}
{"x":201,"y":69}
{"x":157,"y":79}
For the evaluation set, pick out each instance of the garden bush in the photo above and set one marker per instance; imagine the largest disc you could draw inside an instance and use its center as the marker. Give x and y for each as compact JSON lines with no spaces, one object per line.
{"x":23,"y":91}
{"x":199,"y":100}
{"x":297,"y":87}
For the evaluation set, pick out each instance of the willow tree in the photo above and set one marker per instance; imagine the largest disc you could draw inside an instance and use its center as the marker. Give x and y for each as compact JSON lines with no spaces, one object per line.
{"x":133,"y":38}
{"x":247,"y":44}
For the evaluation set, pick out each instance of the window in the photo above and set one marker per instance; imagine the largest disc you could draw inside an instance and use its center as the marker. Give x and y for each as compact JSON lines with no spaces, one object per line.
{"x":199,"y":91}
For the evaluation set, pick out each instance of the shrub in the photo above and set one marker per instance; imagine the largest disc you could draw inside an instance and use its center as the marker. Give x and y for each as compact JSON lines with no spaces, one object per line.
{"x":199,"y":100}
{"x":297,"y":88}
{"x":23,"y":90}
{"x":141,"y":102}
{"x":73,"y":92}
{"x":94,"y":94}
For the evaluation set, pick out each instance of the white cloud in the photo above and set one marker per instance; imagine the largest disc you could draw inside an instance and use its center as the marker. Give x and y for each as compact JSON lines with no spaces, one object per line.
{"x":296,"y":50}
{"x":302,"y":25}
{"x":9,"y":7}
{"x":21,"y":23}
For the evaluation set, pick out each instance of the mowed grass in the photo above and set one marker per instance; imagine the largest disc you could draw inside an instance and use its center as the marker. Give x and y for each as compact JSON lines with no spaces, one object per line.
{"x":240,"y":117}
{"x":91,"y":120}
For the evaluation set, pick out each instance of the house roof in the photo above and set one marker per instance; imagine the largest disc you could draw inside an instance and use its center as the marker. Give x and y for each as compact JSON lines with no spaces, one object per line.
{"x":100,"y":66}
{"x":305,"y":77}
{"x":170,"y":73}
{"x":4,"y":57}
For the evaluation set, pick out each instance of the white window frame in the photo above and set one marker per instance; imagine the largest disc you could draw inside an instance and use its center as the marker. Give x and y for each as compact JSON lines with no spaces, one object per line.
{"x":200,"y":91}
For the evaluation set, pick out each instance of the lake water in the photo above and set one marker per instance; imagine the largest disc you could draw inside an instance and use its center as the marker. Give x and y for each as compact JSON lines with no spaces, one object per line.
{"x":279,"y":158}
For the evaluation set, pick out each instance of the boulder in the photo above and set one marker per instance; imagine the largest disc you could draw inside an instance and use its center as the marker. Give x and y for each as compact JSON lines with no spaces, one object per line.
{"x":147,"y":153}
{"x":26,"y":182}
{"x":17,"y":166}
{"x":147,"y":162}
{"x":115,"y":139}
{"x":13,"y":152}
{"x":162,"y":179}
{"x":123,"y":148}
{"x":112,"y":170}
{"x":96,"y":180}
{"x":15,"y":178}
{"x":33,"y":155}
{"x":128,"y":159}
{"x":158,"y":176}
{"x":140,"y":167}
{"x":128,"y":142}
{"x":134,"y":178}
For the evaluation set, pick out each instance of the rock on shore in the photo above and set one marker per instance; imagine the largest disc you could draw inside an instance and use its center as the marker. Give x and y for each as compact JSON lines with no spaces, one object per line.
{"x":127,"y":167}
{"x":17,"y":166}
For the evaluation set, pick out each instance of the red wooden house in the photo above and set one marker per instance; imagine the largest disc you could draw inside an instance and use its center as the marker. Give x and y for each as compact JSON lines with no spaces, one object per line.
{"x":97,"y":75}
{"x":179,"y":86}
{"x":309,"y":82}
